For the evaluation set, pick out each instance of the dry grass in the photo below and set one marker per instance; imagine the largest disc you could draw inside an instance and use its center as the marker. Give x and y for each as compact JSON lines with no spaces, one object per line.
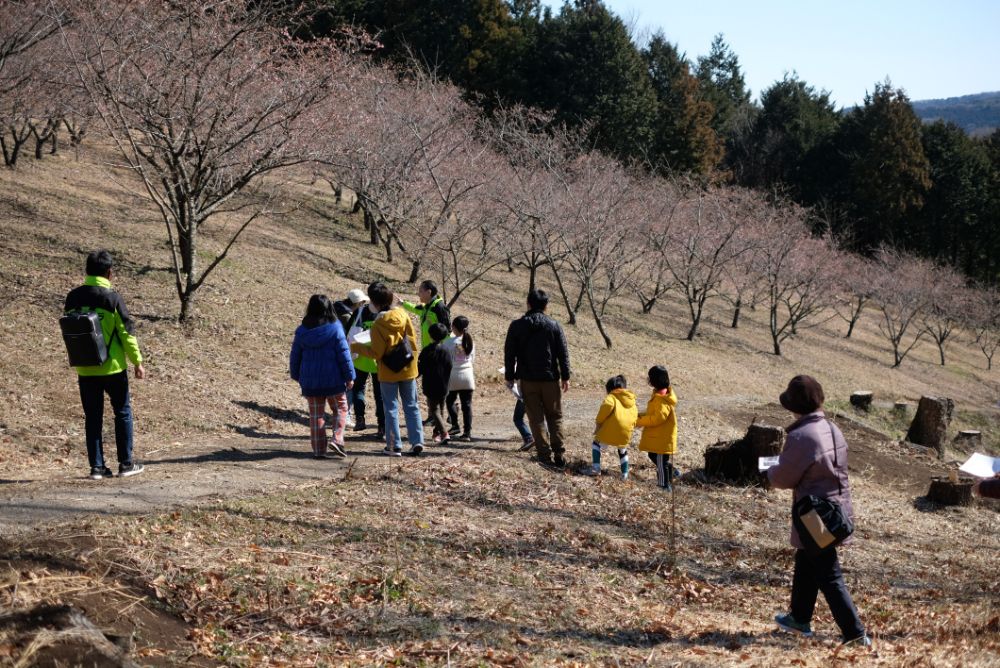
{"x":474,"y":557}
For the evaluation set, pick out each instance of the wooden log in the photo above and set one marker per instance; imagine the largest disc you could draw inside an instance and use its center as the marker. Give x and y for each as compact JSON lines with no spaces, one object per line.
{"x":862,"y":400}
{"x":901,"y":407}
{"x":969,"y":438}
{"x":930,"y":424}
{"x":950,"y":493}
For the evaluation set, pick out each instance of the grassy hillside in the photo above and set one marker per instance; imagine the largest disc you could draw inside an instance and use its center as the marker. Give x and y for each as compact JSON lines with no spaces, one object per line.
{"x":469,"y":556}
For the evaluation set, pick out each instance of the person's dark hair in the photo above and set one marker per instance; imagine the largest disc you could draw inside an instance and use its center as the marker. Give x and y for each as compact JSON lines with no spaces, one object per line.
{"x":659,"y":378}
{"x":319,"y":311}
{"x":438,"y":331}
{"x":99,"y":263}
{"x":380,"y":295}
{"x":461,"y":323}
{"x":615,"y":383}
{"x":431,"y":286}
{"x":538,"y":300}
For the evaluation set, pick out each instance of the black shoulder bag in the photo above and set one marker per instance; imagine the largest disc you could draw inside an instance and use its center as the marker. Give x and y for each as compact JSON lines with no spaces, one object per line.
{"x":399,"y":355}
{"x":821,"y":523}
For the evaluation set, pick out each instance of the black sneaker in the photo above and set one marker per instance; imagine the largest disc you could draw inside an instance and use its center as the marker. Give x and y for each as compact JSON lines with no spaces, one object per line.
{"x":528,"y":445}
{"x":337,"y":450}
{"x":101,"y":472}
{"x":360,"y":426}
{"x":134,"y":468}
{"x":559,"y":462}
{"x":454,"y":430}
{"x":416,"y":449}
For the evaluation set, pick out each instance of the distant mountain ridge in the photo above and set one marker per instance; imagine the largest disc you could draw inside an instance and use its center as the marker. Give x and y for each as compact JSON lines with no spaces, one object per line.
{"x":977,"y":114}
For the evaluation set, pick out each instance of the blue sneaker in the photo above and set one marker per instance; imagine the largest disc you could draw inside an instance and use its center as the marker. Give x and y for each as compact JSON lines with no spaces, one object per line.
{"x":786,"y":622}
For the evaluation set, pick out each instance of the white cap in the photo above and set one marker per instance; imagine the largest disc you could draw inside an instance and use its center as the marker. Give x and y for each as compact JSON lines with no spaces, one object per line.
{"x":357,"y":296}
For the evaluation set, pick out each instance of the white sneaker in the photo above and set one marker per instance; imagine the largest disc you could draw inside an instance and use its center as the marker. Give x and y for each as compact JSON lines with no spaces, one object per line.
{"x":392,"y":452}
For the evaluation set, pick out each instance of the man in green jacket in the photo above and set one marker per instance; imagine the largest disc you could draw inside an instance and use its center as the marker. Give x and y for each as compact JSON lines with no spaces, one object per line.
{"x":110,"y":378}
{"x":431,"y":309}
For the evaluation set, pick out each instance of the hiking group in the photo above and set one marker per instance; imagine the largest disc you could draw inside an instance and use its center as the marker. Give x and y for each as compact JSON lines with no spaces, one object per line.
{"x":340,"y":345}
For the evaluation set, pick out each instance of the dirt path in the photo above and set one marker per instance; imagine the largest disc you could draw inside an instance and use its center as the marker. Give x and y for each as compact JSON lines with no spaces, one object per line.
{"x":256,"y":462}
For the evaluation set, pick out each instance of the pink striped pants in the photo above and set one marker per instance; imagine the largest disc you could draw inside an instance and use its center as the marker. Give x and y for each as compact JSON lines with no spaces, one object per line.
{"x":317,"y":421}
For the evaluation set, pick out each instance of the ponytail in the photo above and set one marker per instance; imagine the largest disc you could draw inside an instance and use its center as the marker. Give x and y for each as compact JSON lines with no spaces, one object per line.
{"x":461,"y":323}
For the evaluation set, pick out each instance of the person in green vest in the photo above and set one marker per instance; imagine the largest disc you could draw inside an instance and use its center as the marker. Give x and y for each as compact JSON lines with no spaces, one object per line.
{"x":430,"y":310}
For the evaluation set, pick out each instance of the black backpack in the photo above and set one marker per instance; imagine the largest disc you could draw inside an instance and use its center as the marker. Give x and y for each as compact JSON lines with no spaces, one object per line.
{"x":84,"y":338}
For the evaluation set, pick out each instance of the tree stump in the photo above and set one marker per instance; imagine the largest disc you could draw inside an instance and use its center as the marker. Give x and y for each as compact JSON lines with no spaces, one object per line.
{"x":901,"y":408}
{"x":736,"y":461}
{"x":765,"y":441}
{"x":862,"y":400}
{"x":930,"y":424}
{"x":969,"y":438}
{"x":950,"y":493}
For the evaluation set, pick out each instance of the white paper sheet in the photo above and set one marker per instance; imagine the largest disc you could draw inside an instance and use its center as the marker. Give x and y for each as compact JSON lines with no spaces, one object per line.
{"x":981,"y":466}
{"x":364,"y":337}
{"x":764,"y":463}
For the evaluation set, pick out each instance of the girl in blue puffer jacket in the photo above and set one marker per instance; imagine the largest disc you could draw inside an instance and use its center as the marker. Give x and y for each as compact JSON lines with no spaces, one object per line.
{"x":321,"y":363}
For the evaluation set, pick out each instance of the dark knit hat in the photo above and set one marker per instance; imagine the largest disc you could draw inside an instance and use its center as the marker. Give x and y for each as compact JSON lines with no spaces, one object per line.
{"x":804,"y":395}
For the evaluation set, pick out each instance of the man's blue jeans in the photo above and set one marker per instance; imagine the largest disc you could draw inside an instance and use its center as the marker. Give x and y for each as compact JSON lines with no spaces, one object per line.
{"x":92,"y":391}
{"x":393,"y":394}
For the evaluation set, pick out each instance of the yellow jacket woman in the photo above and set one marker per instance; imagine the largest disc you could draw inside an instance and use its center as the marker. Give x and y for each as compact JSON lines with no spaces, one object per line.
{"x":387,"y":331}
{"x":398,"y":388}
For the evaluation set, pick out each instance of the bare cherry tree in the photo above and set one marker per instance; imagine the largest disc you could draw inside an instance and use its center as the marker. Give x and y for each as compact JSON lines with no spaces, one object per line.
{"x":948,"y":301}
{"x":202,"y":99}
{"x":540,"y":157}
{"x":983,"y":317}
{"x":902,"y":291}
{"x":856,"y":282}
{"x":706,"y":238}
{"x":474,"y":240}
{"x":797,"y":271}
{"x":662,"y":201}
{"x":28,"y":49}
{"x":597,"y":225}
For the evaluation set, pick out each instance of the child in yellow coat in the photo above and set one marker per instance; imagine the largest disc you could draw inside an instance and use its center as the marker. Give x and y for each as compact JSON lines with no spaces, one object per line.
{"x":615,"y":423}
{"x":659,"y":426}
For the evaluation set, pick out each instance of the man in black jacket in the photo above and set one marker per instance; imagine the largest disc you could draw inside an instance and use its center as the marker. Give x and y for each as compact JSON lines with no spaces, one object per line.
{"x":535,"y":353}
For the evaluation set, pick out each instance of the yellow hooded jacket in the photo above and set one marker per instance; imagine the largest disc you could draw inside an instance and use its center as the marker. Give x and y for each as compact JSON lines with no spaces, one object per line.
{"x":659,"y":424}
{"x":388,"y":330}
{"x":616,"y":418}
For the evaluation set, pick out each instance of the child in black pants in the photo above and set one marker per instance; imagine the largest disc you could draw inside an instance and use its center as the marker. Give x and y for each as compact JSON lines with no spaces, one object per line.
{"x":434,"y":367}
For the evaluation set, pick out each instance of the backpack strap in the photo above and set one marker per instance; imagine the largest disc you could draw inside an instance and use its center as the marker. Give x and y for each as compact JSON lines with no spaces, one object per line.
{"x":836,"y":464}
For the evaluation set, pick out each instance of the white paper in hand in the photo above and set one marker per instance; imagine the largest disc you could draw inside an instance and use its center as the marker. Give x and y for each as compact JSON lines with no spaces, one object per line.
{"x":515,"y":389}
{"x":981,"y":466}
{"x":363,"y":336}
{"x":764,"y":463}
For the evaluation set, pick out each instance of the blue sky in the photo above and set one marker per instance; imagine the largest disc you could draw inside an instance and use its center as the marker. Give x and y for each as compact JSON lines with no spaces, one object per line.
{"x":930,"y":49}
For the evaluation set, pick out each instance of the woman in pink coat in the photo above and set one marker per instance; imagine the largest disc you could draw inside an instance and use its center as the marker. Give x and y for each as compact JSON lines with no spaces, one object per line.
{"x":814,"y":462}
